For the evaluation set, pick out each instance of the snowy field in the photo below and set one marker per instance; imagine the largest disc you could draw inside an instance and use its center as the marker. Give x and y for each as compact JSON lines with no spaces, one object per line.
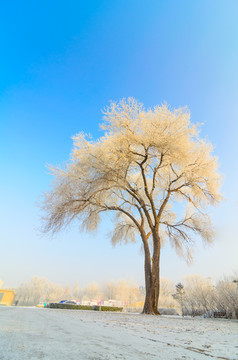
{"x":35,"y":333}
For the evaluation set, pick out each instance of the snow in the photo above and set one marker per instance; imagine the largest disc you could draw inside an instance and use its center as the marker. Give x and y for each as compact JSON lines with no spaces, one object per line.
{"x":36,"y":333}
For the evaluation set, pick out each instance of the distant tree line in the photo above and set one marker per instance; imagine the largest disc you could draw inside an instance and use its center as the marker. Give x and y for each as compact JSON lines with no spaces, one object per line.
{"x":195,"y":296}
{"x":40,"y":290}
{"x":199,"y":296}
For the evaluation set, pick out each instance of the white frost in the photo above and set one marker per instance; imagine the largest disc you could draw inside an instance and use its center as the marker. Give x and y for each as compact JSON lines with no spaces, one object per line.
{"x":34,"y":333}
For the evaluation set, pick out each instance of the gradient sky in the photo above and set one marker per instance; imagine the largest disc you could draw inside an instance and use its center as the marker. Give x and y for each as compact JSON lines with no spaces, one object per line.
{"x":61,"y":63}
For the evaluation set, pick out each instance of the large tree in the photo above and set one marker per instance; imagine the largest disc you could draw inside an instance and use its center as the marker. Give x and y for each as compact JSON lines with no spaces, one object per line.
{"x":151,"y":171}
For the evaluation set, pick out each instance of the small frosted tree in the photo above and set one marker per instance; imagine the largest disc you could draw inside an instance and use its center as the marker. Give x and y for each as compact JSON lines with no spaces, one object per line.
{"x":146,"y":162}
{"x":179,"y":296}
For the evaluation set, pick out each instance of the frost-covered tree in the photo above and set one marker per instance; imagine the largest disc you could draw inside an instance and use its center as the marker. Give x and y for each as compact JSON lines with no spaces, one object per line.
{"x":91,"y":291}
{"x":180,"y":296}
{"x":146,"y":162}
{"x":227,"y":296}
{"x":38,"y":290}
{"x":127,"y":291}
{"x":199,"y":295}
{"x":109,"y":290}
{"x":166,"y":298}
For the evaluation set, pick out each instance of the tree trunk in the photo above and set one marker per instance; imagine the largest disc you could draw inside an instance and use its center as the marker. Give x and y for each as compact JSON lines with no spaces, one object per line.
{"x":148,"y":305}
{"x":152,"y":280}
{"x":156,"y":276}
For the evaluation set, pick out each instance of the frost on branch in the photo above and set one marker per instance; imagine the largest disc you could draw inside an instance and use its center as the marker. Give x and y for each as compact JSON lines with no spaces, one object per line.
{"x":144,"y":157}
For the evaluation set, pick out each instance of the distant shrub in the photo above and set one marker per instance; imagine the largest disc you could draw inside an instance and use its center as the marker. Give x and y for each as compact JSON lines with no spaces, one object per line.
{"x":83,"y":307}
{"x":107,"y":308}
{"x":222,"y":314}
{"x":69,"y":306}
{"x":167,"y":311}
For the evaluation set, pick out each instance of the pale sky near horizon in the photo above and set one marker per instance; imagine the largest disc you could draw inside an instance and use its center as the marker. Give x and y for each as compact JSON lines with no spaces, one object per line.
{"x":61,"y":63}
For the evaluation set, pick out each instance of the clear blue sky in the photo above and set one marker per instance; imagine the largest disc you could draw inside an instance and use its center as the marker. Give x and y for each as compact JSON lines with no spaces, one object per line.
{"x":60,"y":64}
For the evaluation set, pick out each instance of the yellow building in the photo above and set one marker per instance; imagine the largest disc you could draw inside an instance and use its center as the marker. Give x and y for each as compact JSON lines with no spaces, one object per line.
{"x":6,"y":297}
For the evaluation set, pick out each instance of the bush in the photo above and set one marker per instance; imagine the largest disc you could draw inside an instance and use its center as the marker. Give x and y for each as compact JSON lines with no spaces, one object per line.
{"x":83,"y":307}
{"x":167,"y":311}
{"x":69,"y":306}
{"x":107,"y":308}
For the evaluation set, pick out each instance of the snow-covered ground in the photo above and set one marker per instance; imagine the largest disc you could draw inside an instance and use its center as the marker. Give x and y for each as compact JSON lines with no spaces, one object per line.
{"x":35,"y":333}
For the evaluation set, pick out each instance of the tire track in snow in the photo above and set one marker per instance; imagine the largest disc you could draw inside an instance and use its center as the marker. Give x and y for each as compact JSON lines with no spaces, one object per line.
{"x":190,"y":348}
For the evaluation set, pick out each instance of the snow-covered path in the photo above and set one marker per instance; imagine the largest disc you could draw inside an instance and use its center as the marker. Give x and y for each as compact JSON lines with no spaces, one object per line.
{"x":34,"y":333}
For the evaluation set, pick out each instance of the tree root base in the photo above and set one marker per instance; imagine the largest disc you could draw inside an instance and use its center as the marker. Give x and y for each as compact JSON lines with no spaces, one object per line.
{"x":150,"y":312}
